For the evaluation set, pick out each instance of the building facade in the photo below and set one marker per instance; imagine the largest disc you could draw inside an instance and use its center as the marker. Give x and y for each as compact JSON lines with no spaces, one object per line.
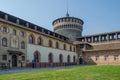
{"x":24,"y":44}
{"x":101,"y":48}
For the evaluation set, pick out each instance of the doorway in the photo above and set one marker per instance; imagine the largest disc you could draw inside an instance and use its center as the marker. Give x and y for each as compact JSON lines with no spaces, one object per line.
{"x":14,"y":61}
{"x":80,"y":61}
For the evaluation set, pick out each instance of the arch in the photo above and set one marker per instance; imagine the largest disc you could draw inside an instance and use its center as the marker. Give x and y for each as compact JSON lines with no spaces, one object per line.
{"x":60,"y":58}
{"x":68,"y":58}
{"x":36,"y":56}
{"x":4,"y":42}
{"x":39,"y":41}
{"x":74,"y":59}
{"x":31,"y":39}
{"x":50,"y":58}
{"x":57,"y":45}
{"x":50,"y":43}
{"x":22,"y":45}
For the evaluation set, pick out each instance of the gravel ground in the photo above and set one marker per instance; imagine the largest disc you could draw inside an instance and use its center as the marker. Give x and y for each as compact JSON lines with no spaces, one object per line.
{"x":22,"y":70}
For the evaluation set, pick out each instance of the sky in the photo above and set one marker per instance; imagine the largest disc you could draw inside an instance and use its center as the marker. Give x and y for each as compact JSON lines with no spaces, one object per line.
{"x":99,"y":16}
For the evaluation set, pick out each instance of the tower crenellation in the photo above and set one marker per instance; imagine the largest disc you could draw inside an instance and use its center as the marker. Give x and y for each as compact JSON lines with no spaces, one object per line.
{"x":70,"y":27}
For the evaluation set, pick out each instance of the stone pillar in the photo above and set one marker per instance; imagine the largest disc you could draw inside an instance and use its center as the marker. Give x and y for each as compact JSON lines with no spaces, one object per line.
{"x":85,"y":39}
{"x":6,"y":17}
{"x":35,"y":27}
{"x":107,"y":37}
{"x":99,"y":37}
{"x":116,"y":36}
{"x":92,"y":39}
{"x":17,"y":21}
{"x":27,"y":24}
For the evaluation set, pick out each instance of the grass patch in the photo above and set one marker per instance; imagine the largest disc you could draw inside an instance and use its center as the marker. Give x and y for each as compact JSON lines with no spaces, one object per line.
{"x":108,"y":72}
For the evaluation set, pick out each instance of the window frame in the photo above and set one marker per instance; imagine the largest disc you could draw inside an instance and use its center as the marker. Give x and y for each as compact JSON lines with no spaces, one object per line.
{"x":4,"y":57}
{"x":4,"y":44}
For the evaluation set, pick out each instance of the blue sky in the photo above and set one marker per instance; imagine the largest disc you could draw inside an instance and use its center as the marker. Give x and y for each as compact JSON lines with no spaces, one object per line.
{"x":99,"y":16}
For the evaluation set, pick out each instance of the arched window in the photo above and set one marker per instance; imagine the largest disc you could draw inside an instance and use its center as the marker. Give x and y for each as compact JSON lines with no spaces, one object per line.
{"x":39,"y":41}
{"x":61,"y":58}
{"x":68,"y":59}
{"x":22,"y":45}
{"x":22,"y":34}
{"x":74,"y":59}
{"x":57,"y":45}
{"x":36,"y":56}
{"x":64,"y":46}
{"x":4,"y":42}
{"x":31,"y":39}
{"x":50,"y":57}
{"x":4,"y":29}
{"x":50,"y":43}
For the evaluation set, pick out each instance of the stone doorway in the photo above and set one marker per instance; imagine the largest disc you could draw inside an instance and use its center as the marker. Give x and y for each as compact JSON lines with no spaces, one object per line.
{"x":14,"y":61}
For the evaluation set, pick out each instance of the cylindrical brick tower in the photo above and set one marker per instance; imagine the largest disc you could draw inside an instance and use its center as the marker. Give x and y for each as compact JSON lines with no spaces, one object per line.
{"x":70,"y":27}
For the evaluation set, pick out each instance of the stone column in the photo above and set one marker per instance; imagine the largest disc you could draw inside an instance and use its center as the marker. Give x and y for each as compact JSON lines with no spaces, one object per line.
{"x":99,"y":38}
{"x":35,"y":27}
{"x":17,"y":21}
{"x":116,"y":36}
{"x":6,"y":17}
{"x":92,"y":39}
{"x":85,"y":39}
{"x":107,"y":37}
{"x":27,"y":24}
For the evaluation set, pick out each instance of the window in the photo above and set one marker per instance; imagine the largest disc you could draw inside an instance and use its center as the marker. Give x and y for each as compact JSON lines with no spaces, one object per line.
{"x":4,"y":57}
{"x":39,"y":41}
{"x":14,"y":32}
{"x":64,"y":46}
{"x":97,"y":58}
{"x":61,"y":58}
{"x":50,"y":57}
{"x":57,"y":45}
{"x":23,"y":58}
{"x":31,"y":39}
{"x":22,"y":45}
{"x":4,"y":29}
{"x":22,"y":34}
{"x":50,"y":43}
{"x":4,"y":42}
{"x":106,"y":58}
{"x":116,"y":57}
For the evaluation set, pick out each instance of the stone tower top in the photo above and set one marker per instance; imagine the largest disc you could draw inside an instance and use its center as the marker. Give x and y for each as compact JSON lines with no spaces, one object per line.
{"x":70,"y":27}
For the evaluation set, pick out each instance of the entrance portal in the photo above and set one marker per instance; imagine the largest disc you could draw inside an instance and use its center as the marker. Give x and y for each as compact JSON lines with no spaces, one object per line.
{"x":14,"y":61}
{"x":80,"y":61}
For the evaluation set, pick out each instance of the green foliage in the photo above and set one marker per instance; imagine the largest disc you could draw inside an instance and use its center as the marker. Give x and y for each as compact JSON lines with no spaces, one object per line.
{"x":108,"y":72}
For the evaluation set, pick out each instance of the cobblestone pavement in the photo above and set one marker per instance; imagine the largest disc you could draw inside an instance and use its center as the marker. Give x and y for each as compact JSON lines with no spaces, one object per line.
{"x":22,"y":70}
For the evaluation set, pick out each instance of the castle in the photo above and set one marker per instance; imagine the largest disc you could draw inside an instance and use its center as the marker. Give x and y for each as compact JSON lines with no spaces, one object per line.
{"x":24,"y":44}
